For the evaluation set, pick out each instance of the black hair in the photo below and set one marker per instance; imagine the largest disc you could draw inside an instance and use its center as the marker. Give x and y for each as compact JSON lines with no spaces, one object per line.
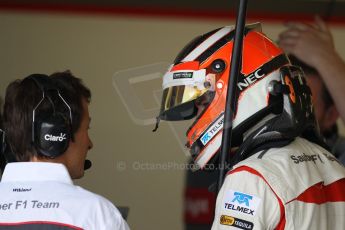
{"x":21,"y":98}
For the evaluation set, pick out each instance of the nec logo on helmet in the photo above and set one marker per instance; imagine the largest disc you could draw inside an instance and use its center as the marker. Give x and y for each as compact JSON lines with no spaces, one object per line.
{"x":50,"y":137}
{"x":250,"y":79}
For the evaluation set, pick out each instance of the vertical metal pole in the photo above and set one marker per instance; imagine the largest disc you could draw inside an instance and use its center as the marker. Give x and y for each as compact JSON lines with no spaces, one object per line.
{"x":235,"y":67}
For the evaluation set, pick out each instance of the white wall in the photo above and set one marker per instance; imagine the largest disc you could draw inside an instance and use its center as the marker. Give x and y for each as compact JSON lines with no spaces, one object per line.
{"x":94,"y":48}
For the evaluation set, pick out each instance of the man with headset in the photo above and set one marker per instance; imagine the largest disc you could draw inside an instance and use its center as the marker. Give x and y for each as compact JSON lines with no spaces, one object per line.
{"x":46,"y":121}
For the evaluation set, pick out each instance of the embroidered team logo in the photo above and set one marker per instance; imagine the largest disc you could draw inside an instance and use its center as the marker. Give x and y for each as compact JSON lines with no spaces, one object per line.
{"x":227,"y":220}
{"x":241,"y":202}
{"x":242,"y":198}
{"x":236,"y":222}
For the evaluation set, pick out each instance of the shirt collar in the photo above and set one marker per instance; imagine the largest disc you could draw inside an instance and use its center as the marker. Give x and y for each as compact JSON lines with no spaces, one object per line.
{"x":36,"y":172}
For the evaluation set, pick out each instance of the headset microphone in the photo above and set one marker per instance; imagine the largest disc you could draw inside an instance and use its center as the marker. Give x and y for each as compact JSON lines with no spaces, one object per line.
{"x":87,"y":164}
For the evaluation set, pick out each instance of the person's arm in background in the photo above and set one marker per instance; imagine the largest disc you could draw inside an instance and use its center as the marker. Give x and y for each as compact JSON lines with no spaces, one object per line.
{"x":313,"y":44}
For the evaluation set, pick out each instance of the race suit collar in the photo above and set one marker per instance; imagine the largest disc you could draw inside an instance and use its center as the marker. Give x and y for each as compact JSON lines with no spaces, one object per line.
{"x":36,"y":172}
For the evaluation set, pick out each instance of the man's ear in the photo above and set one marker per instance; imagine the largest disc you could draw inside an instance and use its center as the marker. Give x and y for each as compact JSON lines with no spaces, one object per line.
{"x":331,"y":117}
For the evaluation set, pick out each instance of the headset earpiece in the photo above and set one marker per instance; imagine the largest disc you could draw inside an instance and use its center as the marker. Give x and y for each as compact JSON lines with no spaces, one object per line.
{"x":51,"y":132}
{"x":52,"y":135}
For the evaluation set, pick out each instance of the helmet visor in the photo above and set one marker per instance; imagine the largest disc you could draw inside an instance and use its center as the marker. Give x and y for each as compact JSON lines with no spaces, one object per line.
{"x":178,"y":102}
{"x":181,"y":89}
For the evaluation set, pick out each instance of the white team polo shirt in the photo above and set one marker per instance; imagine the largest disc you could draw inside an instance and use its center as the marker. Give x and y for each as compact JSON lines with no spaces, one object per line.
{"x":36,"y":195}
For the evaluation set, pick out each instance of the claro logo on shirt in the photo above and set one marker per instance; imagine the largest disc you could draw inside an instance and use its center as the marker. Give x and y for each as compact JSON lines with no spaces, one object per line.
{"x":241,"y":202}
{"x":236,"y":222}
{"x":50,"y":137}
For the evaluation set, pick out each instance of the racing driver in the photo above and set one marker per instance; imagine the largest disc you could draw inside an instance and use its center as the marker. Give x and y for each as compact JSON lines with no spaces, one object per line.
{"x":283,"y":177}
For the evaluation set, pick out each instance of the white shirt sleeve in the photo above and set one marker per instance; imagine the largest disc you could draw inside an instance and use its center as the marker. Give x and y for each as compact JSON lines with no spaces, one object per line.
{"x":246,"y":201}
{"x":109,"y":217}
{"x":116,"y":223}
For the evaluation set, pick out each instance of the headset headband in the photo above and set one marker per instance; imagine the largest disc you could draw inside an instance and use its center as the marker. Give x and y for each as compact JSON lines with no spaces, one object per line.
{"x":44,"y":83}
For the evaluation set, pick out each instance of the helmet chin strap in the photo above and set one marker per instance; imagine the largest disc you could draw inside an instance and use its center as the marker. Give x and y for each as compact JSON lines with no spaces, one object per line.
{"x":258,"y":126}
{"x":267,"y":134}
{"x":263,"y":137}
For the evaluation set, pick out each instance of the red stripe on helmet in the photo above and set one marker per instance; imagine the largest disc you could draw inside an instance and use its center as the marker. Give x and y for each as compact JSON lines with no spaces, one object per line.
{"x":191,"y":65}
